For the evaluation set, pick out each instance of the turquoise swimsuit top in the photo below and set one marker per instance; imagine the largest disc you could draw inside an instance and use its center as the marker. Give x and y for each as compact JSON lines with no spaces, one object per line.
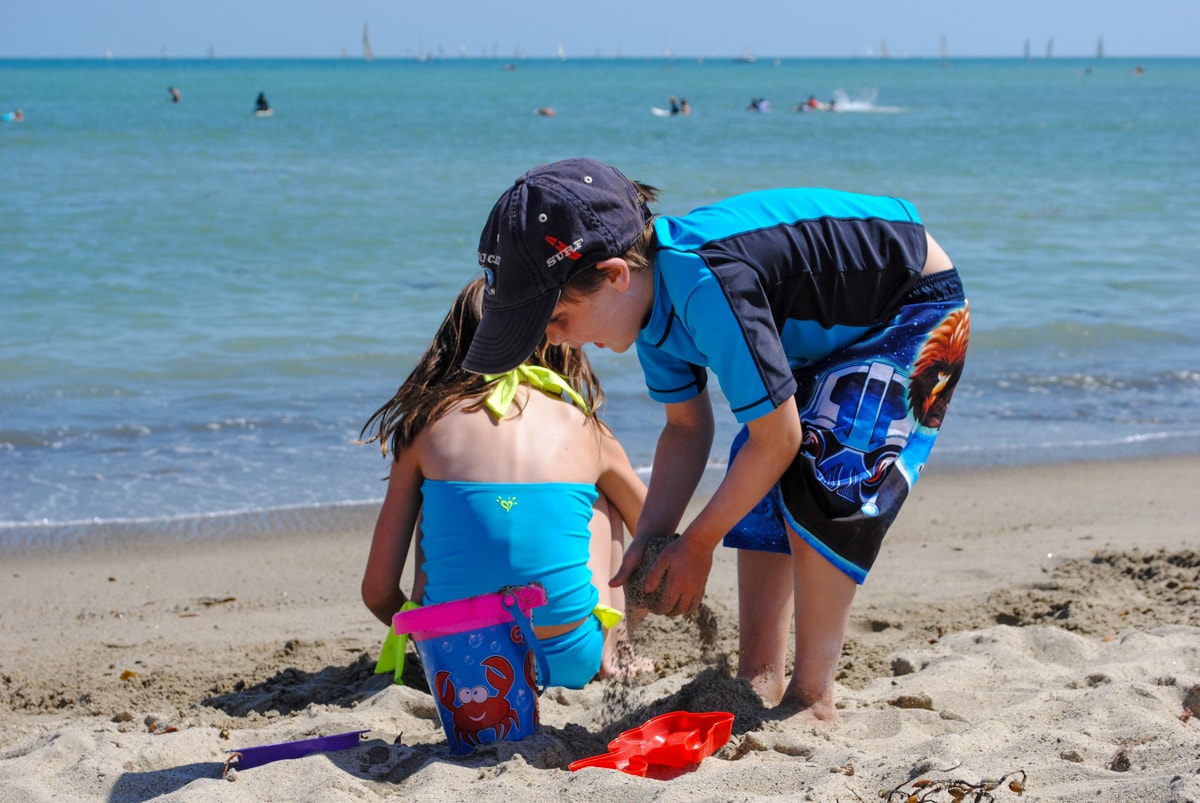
{"x":478,"y":537}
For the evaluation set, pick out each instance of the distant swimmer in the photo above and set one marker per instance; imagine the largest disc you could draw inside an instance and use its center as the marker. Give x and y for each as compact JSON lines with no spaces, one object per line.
{"x":261,"y":107}
{"x":761,"y":105}
{"x":15,"y":116}
{"x":676,"y":106}
{"x":175,"y":96}
{"x":814,"y":105}
{"x":546,"y":111}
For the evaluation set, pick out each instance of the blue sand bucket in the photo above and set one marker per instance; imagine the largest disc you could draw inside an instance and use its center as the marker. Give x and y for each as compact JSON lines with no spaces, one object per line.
{"x":483,"y":664}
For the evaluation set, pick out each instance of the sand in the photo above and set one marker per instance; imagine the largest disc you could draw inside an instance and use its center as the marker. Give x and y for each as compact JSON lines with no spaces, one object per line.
{"x":1033,"y":626}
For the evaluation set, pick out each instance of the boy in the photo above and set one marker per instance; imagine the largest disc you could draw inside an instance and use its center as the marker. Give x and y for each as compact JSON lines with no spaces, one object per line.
{"x":837,"y":328}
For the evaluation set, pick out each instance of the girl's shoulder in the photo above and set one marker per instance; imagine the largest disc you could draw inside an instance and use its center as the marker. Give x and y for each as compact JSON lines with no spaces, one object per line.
{"x":547,"y":440}
{"x":532,"y":412}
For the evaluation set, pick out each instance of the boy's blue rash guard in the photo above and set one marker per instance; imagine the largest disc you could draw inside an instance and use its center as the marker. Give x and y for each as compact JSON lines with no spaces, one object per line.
{"x":759,"y":284}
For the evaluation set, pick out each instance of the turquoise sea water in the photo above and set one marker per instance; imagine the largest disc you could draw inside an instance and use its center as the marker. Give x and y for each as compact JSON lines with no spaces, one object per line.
{"x":199,"y":308}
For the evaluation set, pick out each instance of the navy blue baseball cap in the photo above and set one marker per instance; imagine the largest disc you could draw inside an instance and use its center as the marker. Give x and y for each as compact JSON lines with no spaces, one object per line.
{"x":554,"y":221}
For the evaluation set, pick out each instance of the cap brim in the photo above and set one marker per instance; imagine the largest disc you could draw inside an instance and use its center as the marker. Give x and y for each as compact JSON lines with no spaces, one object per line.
{"x":506,"y":337}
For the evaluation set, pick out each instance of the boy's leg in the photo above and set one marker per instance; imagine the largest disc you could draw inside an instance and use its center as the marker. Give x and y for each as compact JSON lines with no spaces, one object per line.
{"x":823,"y":597}
{"x":765,"y":601}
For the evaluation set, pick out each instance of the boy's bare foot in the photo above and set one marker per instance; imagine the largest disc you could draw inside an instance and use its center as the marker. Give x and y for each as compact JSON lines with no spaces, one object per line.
{"x":767,"y":683}
{"x":795,"y":711}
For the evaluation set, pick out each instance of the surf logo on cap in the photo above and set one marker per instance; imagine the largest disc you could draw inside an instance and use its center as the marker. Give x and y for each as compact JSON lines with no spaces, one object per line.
{"x":563,"y":250}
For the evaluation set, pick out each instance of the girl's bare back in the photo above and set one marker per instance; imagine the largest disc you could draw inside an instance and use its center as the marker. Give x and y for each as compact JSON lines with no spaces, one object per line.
{"x":549,"y":441}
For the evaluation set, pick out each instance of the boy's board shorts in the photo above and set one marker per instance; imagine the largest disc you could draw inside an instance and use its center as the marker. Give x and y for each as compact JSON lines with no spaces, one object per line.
{"x":871,"y":413}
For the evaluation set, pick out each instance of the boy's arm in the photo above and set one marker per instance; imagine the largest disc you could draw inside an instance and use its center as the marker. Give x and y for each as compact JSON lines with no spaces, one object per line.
{"x":684,"y":565}
{"x":393,"y":536}
{"x":679,"y":461}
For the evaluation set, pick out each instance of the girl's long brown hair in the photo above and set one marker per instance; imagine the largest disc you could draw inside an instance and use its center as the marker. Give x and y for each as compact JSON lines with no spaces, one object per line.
{"x":439,"y":382}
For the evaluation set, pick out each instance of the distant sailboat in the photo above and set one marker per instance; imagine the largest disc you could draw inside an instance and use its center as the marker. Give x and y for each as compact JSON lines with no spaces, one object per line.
{"x":562,"y":54}
{"x":422,"y":56}
{"x":1050,"y":48}
{"x":1027,"y":50}
{"x":883,"y":54}
{"x":1100,"y":48}
{"x":942,"y":49}
{"x":368,"y":53}
{"x":746,"y":58}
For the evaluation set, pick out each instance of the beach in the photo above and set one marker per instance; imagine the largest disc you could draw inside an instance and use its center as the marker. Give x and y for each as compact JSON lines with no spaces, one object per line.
{"x":204,"y":306}
{"x":1035,"y":626}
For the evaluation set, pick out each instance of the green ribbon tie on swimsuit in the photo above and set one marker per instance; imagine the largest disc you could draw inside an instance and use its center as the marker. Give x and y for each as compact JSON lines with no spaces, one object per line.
{"x":391,"y":654}
{"x":609,"y":617}
{"x":545,"y":380}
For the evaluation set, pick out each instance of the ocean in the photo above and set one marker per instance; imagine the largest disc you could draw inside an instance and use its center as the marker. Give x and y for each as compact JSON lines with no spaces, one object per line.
{"x":199,"y":308}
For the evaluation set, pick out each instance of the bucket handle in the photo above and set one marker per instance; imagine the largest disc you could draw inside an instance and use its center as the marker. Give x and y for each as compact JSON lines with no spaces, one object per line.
{"x":510,"y":601}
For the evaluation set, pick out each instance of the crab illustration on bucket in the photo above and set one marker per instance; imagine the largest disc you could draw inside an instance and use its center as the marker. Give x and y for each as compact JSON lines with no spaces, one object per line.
{"x":483,"y":663}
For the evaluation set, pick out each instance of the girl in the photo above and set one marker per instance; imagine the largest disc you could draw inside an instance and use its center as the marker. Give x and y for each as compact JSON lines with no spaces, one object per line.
{"x":506,"y":480}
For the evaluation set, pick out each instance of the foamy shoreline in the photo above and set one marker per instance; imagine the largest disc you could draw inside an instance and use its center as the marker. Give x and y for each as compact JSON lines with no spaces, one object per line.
{"x":30,"y":539}
{"x":1041,"y":619}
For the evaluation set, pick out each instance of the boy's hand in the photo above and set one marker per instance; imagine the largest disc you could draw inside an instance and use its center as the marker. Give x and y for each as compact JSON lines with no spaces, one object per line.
{"x":630,"y":562}
{"x":679,"y":576}
{"x":664,"y":574}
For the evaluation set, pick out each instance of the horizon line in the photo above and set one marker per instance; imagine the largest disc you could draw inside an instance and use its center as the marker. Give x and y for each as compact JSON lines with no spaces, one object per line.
{"x":428,"y":58}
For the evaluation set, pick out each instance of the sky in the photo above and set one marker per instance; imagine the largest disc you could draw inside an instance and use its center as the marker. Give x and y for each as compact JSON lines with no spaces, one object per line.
{"x":535,"y":28}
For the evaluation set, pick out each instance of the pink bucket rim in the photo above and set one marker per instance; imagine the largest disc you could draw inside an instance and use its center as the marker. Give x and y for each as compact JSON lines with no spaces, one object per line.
{"x":472,"y":613}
